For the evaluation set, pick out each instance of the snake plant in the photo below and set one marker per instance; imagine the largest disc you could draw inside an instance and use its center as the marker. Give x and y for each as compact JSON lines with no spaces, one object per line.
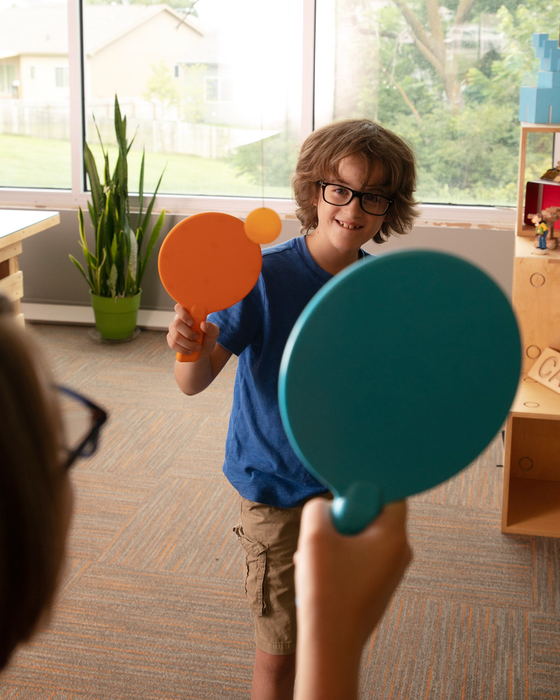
{"x":116,"y":264}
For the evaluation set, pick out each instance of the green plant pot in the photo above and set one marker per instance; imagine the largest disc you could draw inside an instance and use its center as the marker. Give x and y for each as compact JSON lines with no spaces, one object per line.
{"x":115,"y":319}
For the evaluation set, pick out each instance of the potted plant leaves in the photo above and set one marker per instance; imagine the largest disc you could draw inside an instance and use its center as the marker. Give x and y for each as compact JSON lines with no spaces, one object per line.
{"x":115,"y":266}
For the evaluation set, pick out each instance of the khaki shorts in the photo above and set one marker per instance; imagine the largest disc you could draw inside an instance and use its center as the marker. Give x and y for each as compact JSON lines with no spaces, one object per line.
{"x":269,"y":537}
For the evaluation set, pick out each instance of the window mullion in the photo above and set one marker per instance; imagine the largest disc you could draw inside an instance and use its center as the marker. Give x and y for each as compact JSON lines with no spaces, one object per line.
{"x":75,"y":33}
{"x":308,"y":68}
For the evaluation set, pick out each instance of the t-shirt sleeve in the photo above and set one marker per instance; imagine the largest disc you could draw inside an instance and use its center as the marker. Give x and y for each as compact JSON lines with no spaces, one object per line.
{"x":241,"y":324}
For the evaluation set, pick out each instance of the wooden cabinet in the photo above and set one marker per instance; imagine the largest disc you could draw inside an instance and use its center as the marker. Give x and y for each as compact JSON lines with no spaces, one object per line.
{"x":15,"y":225}
{"x":531,"y":503}
{"x":522,"y":229}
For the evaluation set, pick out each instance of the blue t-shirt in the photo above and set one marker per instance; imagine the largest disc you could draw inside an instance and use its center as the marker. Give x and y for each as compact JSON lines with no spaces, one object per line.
{"x":259,"y":461}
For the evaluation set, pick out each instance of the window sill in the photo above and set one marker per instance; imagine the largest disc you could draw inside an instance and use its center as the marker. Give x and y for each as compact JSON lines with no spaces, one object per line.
{"x":432,"y":215}
{"x":467,"y":217}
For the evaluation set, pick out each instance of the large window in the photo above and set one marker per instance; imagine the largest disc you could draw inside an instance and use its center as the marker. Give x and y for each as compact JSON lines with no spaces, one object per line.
{"x":215,"y":89}
{"x":34,"y":96}
{"x":445,"y":74}
{"x":203,"y":93}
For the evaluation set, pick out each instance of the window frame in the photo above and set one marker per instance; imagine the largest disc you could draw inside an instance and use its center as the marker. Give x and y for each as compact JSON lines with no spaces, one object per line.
{"x":207,"y":82}
{"x":78,"y":196}
{"x":61,"y":78}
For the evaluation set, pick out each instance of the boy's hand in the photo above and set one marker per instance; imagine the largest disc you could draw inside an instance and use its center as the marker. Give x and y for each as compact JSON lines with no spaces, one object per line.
{"x":182,"y":338}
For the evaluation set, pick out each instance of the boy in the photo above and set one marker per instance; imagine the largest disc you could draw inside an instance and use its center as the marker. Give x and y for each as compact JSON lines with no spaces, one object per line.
{"x":354,"y":182}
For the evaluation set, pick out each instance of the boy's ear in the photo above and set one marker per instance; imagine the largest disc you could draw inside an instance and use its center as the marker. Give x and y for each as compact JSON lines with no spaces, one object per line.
{"x":318,"y":194}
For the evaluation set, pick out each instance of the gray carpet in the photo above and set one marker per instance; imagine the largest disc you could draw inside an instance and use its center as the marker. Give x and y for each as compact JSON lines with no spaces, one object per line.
{"x":152,"y":603}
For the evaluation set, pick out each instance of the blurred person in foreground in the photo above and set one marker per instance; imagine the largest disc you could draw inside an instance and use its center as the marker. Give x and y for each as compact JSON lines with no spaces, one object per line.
{"x":343,"y":583}
{"x":43,"y":430}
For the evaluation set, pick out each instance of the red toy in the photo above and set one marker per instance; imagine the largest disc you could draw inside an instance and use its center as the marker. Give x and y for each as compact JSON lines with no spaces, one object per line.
{"x":540,"y":195}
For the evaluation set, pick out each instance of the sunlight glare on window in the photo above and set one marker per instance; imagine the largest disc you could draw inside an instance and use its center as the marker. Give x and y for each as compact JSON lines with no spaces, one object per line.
{"x":201,"y":87}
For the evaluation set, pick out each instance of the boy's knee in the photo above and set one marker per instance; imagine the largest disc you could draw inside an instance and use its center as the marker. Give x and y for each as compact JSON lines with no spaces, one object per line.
{"x":278,"y":665}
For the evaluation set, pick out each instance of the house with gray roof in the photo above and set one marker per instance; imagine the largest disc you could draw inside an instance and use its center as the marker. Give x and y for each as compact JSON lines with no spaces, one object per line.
{"x":122,"y":43}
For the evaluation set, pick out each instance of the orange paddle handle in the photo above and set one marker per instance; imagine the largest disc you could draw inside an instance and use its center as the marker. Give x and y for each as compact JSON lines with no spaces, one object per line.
{"x":198,"y":314}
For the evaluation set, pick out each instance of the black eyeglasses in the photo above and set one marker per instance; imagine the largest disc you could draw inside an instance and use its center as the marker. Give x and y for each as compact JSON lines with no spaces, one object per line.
{"x":340,"y":196}
{"x":81,"y":422}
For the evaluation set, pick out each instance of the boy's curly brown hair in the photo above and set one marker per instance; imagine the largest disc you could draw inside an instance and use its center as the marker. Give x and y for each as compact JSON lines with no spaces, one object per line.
{"x":323,"y":150}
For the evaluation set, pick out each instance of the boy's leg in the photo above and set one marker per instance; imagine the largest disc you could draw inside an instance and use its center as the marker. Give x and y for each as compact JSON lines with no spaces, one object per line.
{"x":269,"y":536}
{"x":273,"y":676}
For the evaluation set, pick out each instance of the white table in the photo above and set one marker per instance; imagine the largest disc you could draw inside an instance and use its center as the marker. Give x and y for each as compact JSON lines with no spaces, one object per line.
{"x":15,"y":225}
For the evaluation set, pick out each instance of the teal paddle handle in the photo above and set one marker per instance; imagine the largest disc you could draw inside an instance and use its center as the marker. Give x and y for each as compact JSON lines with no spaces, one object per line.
{"x":355,"y":510}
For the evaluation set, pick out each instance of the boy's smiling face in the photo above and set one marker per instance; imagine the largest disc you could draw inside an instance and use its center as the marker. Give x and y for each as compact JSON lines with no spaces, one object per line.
{"x":342,"y":230}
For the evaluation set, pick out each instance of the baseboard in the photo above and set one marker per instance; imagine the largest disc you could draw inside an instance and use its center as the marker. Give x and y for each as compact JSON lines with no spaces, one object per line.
{"x":83,"y":316}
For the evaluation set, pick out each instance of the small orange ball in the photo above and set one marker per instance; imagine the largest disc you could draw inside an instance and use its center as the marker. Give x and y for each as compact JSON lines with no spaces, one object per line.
{"x":263,"y":225}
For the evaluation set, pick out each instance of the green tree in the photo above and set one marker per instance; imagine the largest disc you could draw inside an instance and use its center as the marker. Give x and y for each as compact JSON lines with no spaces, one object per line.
{"x":192,"y":104}
{"x":162,"y":86}
{"x":458,"y":108}
{"x":277,"y":153}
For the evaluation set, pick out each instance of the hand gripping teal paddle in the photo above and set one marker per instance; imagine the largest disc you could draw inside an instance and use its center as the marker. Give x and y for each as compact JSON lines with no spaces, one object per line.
{"x":397,"y":374}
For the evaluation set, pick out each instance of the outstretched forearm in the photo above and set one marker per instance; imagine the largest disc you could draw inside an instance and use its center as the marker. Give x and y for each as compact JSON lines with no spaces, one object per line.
{"x":343,"y":585}
{"x":326,"y":668}
{"x":194,"y":377}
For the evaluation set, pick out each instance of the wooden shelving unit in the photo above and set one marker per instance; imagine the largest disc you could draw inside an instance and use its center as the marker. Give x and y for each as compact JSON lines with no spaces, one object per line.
{"x":531,"y":503}
{"x":522,"y":229}
{"x":15,"y":225}
{"x":536,"y":299}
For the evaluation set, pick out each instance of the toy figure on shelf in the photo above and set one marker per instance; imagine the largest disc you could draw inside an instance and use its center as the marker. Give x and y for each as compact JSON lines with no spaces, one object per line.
{"x":552,"y":174}
{"x":541,"y":230}
{"x":544,"y":229}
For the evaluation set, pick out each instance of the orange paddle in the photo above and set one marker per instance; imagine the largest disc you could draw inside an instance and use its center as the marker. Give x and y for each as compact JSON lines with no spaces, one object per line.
{"x":207,"y":263}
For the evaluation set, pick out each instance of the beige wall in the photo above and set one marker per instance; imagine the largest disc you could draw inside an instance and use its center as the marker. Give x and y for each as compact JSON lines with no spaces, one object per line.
{"x":42,"y":88}
{"x":50,"y":277}
{"x":123,"y":67}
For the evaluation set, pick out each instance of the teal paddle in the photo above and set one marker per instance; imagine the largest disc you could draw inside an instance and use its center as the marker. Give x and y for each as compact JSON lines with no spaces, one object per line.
{"x":396,"y":376}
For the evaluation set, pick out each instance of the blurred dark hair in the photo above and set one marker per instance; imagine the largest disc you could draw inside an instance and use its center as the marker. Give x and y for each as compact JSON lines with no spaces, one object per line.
{"x":32,"y":530}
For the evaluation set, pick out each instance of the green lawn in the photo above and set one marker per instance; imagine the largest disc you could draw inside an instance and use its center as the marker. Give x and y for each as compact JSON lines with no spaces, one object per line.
{"x":45,"y":163}
{"x":27,"y":162}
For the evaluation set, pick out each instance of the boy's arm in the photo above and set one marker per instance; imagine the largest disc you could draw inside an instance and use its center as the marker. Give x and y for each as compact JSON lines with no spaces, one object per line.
{"x":343,"y":585}
{"x":194,"y":377}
